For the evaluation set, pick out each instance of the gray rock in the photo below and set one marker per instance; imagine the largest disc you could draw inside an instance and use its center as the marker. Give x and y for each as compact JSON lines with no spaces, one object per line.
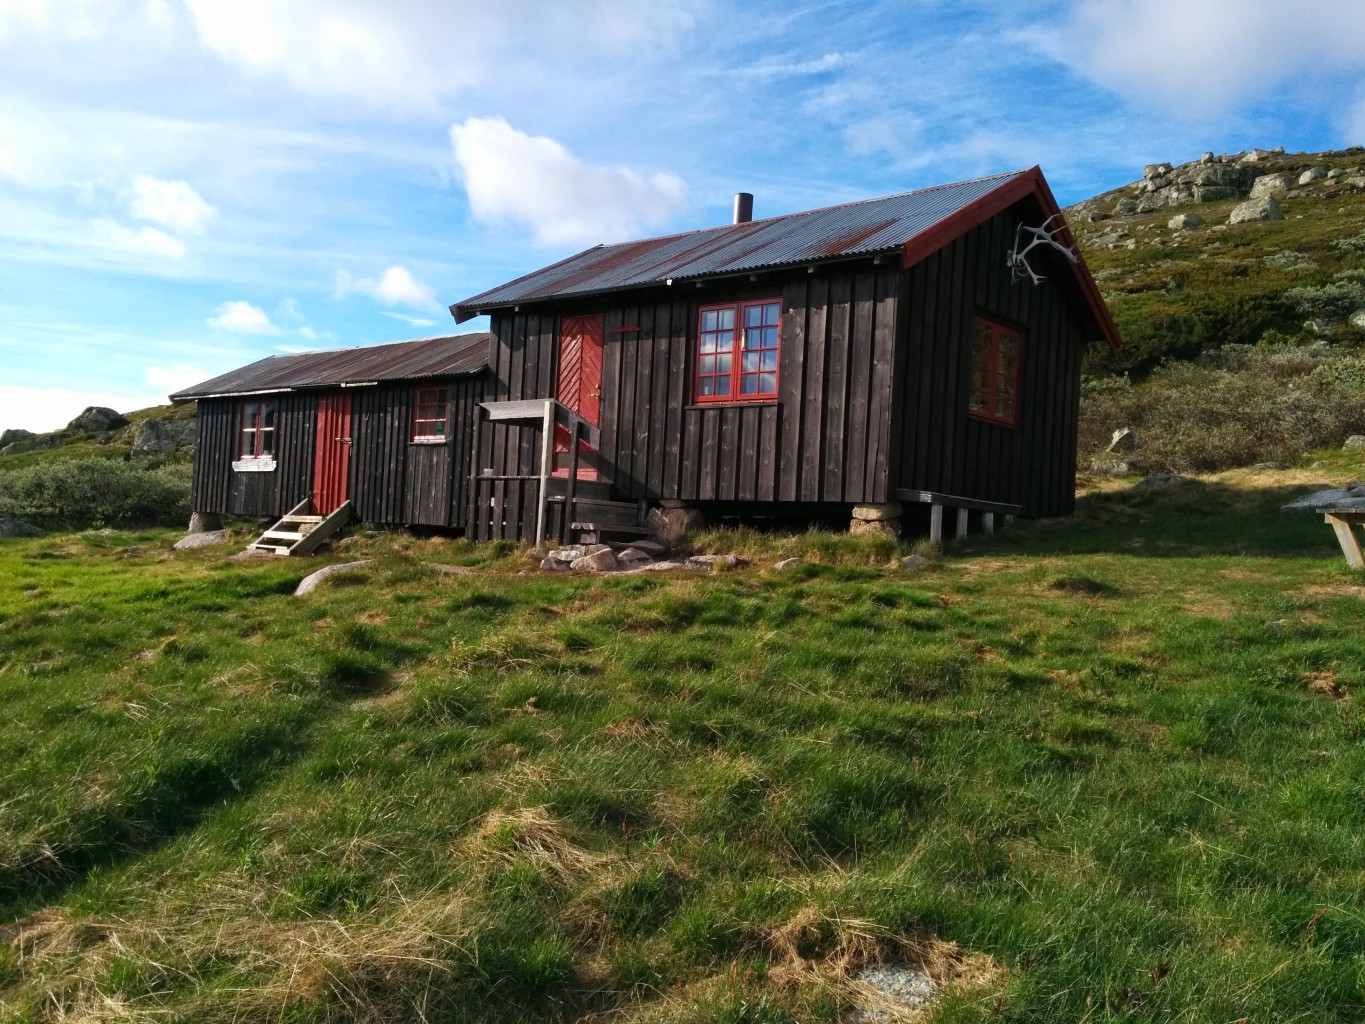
{"x":1207,"y":158}
{"x":788,"y":563}
{"x":876,"y":513}
{"x":714,"y":562}
{"x":1111,"y":467}
{"x":1263,"y":209}
{"x":1270,"y":465}
{"x":653,"y":567}
{"x":38,"y":442}
{"x":651,"y":547}
{"x":18,"y":528}
{"x":882,"y":527}
{"x":670,"y":525}
{"x":1125,"y":439}
{"x":1356,"y":181}
{"x":1357,"y":319}
{"x":914,"y":562}
{"x":1318,"y":326}
{"x":1332,"y":497}
{"x":900,"y":984}
{"x":1158,"y":480}
{"x":202,"y":539}
{"x":555,"y":565}
{"x":598,"y":561}
{"x":1354,"y":441}
{"x":201,"y":522}
{"x":632,"y":558}
{"x":8,"y":437}
{"x":1214,"y":193}
{"x":96,"y":418}
{"x":311,"y":582}
{"x":1270,"y":184}
{"x":1312,"y":174}
{"x":1335,"y":172}
{"x":159,"y":436}
{"x":572,"y":553}
{"x":1151,"y":203}
{"x":1155,"y":171}
{"x":1185,"y":221}
{"x":1255,"y":156}
{"x":1125,"y":207}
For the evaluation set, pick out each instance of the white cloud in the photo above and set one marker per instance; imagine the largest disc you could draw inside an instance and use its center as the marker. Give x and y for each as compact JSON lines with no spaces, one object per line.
{"x":242,"y":318}
{"x":532,"y":180}
{"x":172,"y":204}
{"x":41,"y":409}
{"x":395,"y":287}
{"x":170,"y":379}
{"x":415,"y":321}
{"x":307,"y":332}
{"x":1206,"y":57}
{"x":413,"y":55}
{"x":150,"y":241}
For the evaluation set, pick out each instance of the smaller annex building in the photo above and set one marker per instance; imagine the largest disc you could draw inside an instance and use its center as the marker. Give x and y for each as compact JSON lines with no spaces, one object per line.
{"x":385,"y":427}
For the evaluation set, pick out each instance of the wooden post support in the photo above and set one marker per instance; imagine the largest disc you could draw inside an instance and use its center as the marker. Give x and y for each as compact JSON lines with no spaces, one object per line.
{"x":1350,"y":543}
{"x":962,"y":524}
{"x":1009,"y":521}
{"x":547,"y":448}
{"x":571,"y":488}
{"x":988,"y":523}
{"x":472,"y":526}
{"x":936,"y":523}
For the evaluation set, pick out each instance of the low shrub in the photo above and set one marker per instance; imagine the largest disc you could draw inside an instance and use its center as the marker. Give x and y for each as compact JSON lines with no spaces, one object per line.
{"x":1237,"y":406}
{"x":84,"y":493}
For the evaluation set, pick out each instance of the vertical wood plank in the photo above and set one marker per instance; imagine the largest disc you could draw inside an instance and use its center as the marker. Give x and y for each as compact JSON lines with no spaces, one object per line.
{"x":813,"y":411}
{"x":836,"y":385}
{"x":790,"y":384}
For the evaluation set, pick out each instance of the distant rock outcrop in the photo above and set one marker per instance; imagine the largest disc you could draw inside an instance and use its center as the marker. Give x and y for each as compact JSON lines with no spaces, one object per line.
{"x":97,"y":418}
{"x":8,"y":437}
{"x":160,"y":436}
{"x":1263,"y":208}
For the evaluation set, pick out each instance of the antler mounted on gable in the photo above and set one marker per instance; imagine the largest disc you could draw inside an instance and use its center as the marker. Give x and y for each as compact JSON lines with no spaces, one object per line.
{"x":1017,"y":259}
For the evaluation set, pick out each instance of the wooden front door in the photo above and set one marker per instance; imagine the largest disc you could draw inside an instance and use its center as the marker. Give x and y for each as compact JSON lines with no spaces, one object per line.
{"x":332,"y":461}
{"x":580,"y":379}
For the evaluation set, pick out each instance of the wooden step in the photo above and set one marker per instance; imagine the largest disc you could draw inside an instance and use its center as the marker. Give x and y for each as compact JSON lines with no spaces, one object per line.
{"x":638,"y":531}
{"x":314,"y":520}
{"x":282,"y":535}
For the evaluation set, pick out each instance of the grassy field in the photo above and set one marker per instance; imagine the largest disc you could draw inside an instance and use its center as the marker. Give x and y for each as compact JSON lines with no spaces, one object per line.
{"x":1106,"y":769}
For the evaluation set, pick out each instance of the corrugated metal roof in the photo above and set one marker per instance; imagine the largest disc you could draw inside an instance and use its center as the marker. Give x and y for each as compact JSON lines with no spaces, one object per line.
{"x":854,"y":229}
{"x":449,"y":356}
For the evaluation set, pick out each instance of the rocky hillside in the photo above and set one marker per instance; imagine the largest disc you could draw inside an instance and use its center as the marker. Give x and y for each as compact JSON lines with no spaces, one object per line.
{"x":1261,"y":246}
{"x":163,"y":432}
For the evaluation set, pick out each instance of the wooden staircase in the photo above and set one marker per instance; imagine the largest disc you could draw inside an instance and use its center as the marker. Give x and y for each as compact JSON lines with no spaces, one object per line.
{"x":299,"y":532}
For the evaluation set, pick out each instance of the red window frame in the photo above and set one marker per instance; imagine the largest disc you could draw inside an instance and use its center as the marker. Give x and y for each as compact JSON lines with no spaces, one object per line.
{"x":996,"y":351}
{"x":738,"y":347}
{"x":430,"y":414}
{"x":256,"y":434}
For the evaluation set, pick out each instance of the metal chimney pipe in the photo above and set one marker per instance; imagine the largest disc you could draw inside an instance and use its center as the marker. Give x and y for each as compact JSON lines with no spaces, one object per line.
{"x":744,"y":207}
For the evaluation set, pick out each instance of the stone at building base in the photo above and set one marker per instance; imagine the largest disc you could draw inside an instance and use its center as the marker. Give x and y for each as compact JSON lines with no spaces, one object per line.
{"x":600,"y":559}
{"x":633,"y":557}
{"x":875,"y":527}
{"x":201,"y":539}
{"x":204,"y":522}
{"x":669,"y":525}
{"x":872,"y":513}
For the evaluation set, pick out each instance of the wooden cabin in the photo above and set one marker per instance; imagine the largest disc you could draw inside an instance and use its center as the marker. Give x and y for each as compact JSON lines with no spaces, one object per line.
{"x":383,"y":432}
{"x":798,"y":366}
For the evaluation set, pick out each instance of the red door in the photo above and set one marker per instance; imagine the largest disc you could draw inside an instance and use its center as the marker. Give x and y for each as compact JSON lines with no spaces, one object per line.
{"x":580,"y":377}
{"x":332,"y":463}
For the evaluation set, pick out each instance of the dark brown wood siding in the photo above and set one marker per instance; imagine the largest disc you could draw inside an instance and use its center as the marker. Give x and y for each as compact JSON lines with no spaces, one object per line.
{"x":218,"y":488}
{"x":826,"y":438}
{"x":938,"y":446}
{"x":392,"y":480}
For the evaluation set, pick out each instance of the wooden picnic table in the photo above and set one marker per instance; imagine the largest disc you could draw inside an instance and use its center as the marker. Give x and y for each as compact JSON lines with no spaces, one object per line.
{"x":1342,"y":519}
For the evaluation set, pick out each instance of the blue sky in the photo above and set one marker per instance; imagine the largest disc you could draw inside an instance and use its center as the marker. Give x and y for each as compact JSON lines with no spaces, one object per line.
{"x":189,"y":185}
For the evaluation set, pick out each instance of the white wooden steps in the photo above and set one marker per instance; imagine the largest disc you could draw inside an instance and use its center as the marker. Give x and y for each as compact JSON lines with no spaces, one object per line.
{"x":299,"y":532}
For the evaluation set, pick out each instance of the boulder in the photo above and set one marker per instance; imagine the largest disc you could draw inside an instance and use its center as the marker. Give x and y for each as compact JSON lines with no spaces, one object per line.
{"x":202,"y":539}
{"x":18,"y":528}
{"x":1335,"y":172}
{"x":914,"y":562}
{"x":633,"y":557}
{"x":1357,"y":319}
{"x":38,"y":442}
{"x":8,"y":437}
{"x":1312,"y":174}
{"x":159,"y":436}
{"x":1256,"y":156}
{"x":1318,"y":326}
{"x":1270,"y":184}
{"x":600,"y":559}
{"x":1256,"y":210}
{"x":1214,"y":193}
{"x":1155,"y":171}
{"x":572,"y":553}
{"x":1125,"y":207}
{"x":555,"y":565}
{"x":651,"y":547}
{"x":96,"y":418}
{"x":1354,"y":441}
{"x":1332,"y":497}
{"x":670,"y":525}
{"x":312,"y":581}
{"x":875,"y":513}
{"x":654,"y":567}
{"x":1207,"y":158}
{"x":866,"y":527}
{"x":1185,"y":221}
{"x":787,"y":563}
{"x":204,"y":522}
{"x":1125,"y":439}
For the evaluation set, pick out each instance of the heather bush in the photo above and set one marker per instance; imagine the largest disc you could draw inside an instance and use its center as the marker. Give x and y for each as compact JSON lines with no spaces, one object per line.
{"x":80,"y":493}
{"x":1335,"y":300}
{"x":1237,"y":406}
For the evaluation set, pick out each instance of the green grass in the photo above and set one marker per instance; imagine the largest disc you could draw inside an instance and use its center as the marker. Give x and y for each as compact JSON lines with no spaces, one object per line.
{"x":1108,"y":758}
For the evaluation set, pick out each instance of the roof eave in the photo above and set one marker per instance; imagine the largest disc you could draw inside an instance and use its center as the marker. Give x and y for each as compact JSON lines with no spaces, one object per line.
{"x":1028,"y":183}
